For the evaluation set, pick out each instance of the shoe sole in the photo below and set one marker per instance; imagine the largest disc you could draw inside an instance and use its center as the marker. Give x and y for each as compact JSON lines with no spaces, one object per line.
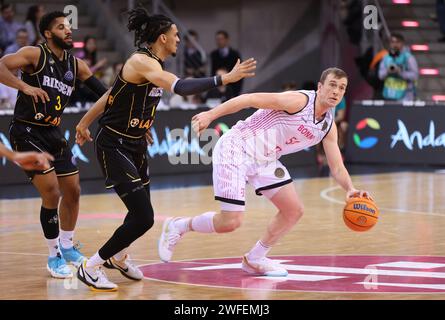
{"x":111,"y":266}
{"x":164,"y":226}
{"x":57,"y":275}
{"x":93,"y":287}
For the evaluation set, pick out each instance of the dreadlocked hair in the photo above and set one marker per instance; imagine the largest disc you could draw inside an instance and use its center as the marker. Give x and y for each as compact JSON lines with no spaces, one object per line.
{"x":147,"y":28}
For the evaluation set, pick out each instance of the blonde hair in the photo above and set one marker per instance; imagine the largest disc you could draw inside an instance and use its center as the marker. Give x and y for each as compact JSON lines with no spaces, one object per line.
{"x":337,"y":72}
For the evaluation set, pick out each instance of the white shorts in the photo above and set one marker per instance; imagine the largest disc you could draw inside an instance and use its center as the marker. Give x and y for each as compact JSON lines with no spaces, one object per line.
{"x":233,"y":168}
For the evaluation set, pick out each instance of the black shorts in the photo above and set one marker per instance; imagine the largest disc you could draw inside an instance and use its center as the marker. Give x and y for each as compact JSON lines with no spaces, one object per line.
{"x":28,"y":137}
{"x":121,"y":158}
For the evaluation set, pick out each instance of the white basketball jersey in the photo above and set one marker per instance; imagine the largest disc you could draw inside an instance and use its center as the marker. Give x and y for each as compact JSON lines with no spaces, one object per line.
{"x":272,"y":133}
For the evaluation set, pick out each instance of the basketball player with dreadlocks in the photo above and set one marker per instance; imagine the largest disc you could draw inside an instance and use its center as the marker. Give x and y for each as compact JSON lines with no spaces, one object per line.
{"x":128,"y":112}
{"x":49,"y":72}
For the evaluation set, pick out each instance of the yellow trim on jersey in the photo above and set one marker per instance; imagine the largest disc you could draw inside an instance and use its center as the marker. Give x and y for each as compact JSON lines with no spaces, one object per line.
{"x":114,"y":97}
{"x":48,"y":170}
{"x":136,"y":84}
{"x":131,"y":110}
{"x":44,"y":61}
{"x":144,"y":184}
{"x":105,"y":165}
{"x":122,"y":134}
{"x":130,"y":176}
{"x":35,"y":123}
{"x":145,"y":97}
{"x":68,"y":174}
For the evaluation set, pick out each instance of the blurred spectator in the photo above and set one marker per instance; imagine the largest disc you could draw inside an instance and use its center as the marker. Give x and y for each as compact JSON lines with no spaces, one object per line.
{"x":111,"y":73}
{"x":368,"y":65}
{"x":89,"y":55}
{"x":21,"y":40}
{"x":289,"y":86}
{"x":194,"y":59}
{"x":33,"y":17}
{"x":8,"y":27}
{"x":440,"y":10}
{"x":221,"y":94}
{"x":225,"y":57}
{"x":399,"y":71}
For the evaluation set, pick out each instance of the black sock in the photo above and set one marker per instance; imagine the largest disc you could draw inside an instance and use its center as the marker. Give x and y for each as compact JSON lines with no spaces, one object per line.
{"x":49,"y":220}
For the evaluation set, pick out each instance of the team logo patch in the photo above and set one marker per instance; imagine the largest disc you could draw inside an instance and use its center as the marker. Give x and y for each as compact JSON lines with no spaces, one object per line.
{"x":39,"y":116}
{"x":368,"y":274}
{"x":69,"y":76}
{"x":134,"y":122}
{"x":279,"y":173}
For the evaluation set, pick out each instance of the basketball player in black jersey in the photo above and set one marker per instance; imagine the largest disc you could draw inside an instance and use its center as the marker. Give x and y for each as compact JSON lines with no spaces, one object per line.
{"x":49,"y":72}
{"x":128,"y":111}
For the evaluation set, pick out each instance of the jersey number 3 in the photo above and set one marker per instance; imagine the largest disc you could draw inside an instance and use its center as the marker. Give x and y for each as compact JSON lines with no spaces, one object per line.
{"x":58,"y":105}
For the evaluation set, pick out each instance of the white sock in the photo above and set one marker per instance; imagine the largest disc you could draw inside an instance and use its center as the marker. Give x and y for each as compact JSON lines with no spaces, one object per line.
{"x":66,"y":238}
{"x":53,"y":246}
{"x":94,"y":261}
{"x":204,"y":223}
{"x":183,"y":224}
{"x":259,"y":251}
{"x":121,"y":254}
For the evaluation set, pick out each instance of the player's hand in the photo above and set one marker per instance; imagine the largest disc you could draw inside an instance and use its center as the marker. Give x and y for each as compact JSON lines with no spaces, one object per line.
{"x":36,"y":93}
{"x":354,"y":193}
{"x":201,"y":121}
{"x":240,"y":71}
{"x":33,"y":160}
{"x":82,"y":135}
{"x":149,"y":138}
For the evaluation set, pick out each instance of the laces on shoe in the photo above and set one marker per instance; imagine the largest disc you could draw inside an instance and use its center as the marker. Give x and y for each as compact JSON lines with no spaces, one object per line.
{"x":173,"y":238}
{"x":77,"y":246}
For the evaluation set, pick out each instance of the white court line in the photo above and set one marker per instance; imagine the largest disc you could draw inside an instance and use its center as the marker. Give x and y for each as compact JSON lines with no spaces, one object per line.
{"x":143,"y":260}
{"x":324,"y":195}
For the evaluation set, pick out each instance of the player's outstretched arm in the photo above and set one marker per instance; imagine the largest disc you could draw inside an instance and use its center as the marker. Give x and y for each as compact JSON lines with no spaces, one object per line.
{"x":82,"y":132}
{"x":336,"y":166}
{"x":289,"y":101}
{"x":152,"y":71}
{"x":26,"y":56}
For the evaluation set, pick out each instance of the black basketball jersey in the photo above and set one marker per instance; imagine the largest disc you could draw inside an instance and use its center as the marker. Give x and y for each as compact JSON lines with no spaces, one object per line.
{"x":130,"y":108}
{"x":55,"y":77}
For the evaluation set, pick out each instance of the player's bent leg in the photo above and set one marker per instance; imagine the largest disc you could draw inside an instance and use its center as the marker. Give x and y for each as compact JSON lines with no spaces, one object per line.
{"x":290,"y":211}
{"x":47,"y":186}
{"x":173,"y":229}
{"x":228,"y":221}
{"x":69,"y":212}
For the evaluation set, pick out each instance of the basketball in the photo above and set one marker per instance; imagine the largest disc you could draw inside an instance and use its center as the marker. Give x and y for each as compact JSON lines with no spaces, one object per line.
{"x":360,"y":214}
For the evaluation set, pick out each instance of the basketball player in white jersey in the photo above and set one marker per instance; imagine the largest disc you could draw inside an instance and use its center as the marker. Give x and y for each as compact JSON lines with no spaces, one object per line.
{"x":287,"y":122}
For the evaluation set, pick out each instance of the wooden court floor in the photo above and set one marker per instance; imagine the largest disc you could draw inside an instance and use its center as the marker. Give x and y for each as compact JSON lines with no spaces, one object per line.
{"x":412,"y":224}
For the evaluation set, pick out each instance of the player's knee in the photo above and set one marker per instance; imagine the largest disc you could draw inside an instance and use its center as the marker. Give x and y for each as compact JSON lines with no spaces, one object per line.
{"x":294,"y":214}
{"x":51,"y":194}
{"x":145,"y":222}
{"x":73,"y":194}
{"x":232,"y":222}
